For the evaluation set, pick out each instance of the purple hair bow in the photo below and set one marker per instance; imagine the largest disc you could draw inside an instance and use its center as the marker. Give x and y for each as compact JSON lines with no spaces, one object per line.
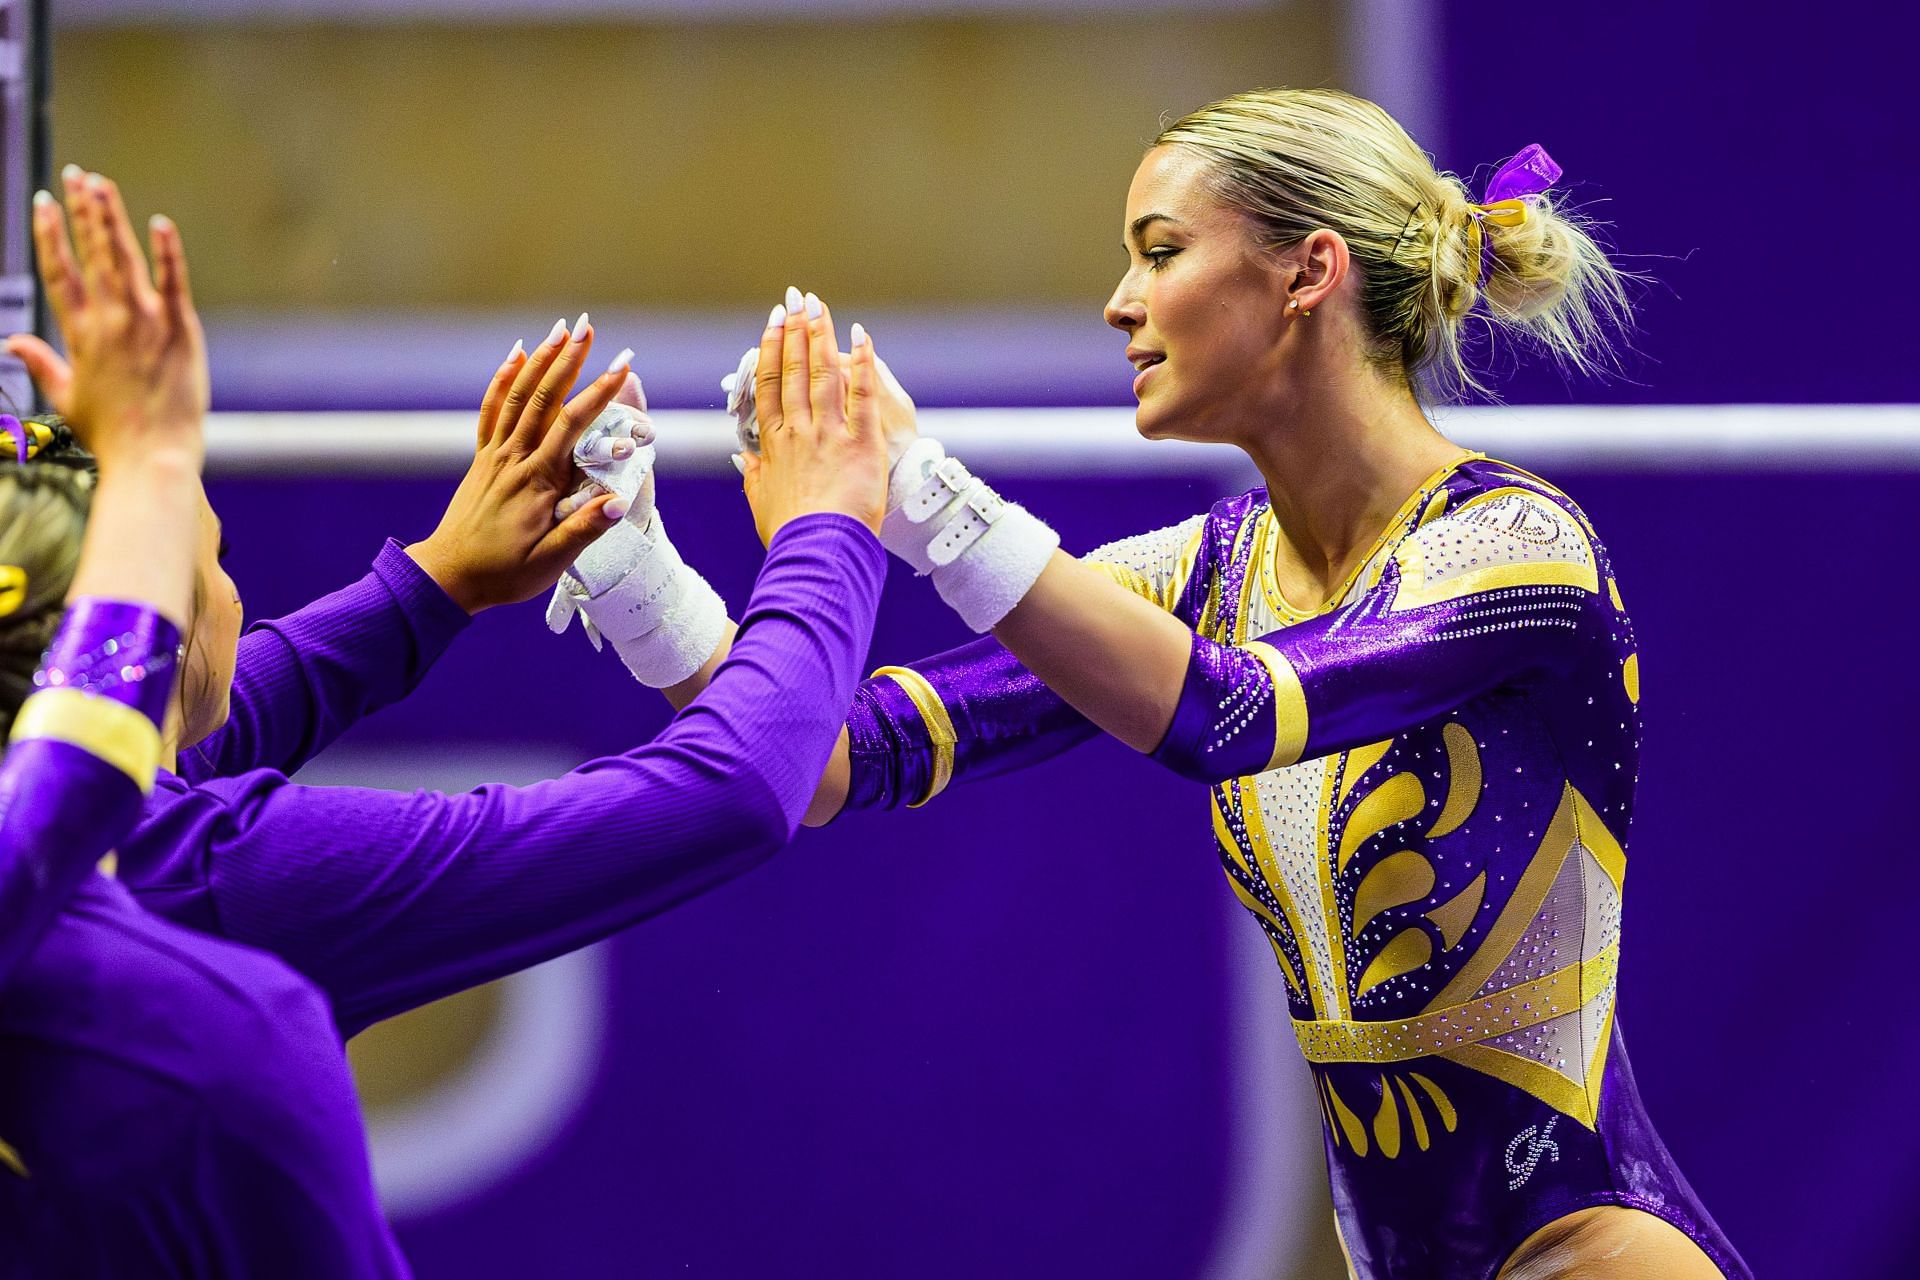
{"x":1514,"y":187}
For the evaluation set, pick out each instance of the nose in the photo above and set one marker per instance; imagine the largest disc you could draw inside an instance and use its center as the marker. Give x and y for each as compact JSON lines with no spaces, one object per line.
{"x":1125,"y":310}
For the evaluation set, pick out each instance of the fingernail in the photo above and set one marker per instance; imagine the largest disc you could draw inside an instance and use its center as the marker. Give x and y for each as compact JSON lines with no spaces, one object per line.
{"x":859,"y":335}
{"x":96,"y":182}
{"x":621,"y":449}
{"x":72,"y":173}
{"x":740,"y":464}
{"x":615,"y":511}
{"x":794,"y":299}
{"x":776,"y":317}
{"x":160,"y":222}
{"x":813,"y":307}
{"x":621,"y":361}
{"x":42,"y":197}
{"x":519,"y":349}
{"x":556,"y":333}
{"x":579,"y":327}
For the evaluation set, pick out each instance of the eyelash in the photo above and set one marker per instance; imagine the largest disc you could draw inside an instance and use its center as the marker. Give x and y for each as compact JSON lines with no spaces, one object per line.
{"x":1158,"y":257}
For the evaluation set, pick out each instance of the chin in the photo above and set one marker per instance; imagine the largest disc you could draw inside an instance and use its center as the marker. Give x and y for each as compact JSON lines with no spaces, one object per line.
{"x":1155,"y":423}
{"x":1151,"y":422}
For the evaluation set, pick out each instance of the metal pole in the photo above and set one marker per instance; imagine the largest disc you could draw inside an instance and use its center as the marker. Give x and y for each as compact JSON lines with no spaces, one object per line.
{"x":22,"y":161}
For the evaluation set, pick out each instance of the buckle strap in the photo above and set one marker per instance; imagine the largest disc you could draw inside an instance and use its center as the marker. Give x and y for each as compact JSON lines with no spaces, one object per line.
{"x":947,"y":481}
{"x":1514,"y":1009}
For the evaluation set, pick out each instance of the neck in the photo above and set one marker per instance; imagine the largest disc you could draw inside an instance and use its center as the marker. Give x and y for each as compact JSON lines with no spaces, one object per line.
{"x":1339,"y":465}
{"x":170,"y":738}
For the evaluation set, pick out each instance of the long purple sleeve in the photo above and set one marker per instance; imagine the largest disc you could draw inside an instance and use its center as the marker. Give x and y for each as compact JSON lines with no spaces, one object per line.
{"x":388,"y":901}
{"x":302,"y":680}
{"x":976,"y":711}
{"x":83,"y":751}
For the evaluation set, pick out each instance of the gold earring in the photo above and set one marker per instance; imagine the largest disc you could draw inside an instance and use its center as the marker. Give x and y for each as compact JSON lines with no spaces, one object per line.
{"x":1305,"y":314}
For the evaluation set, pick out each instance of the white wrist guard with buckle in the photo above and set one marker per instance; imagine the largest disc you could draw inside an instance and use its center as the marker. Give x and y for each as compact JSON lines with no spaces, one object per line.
{"x":661,"y":617}
{"x":984,"y":552}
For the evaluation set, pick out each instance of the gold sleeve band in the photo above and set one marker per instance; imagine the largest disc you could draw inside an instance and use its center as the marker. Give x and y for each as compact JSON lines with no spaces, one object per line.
{"x":113,"y":731}
{"x":1289,"y":705}
{"x":939,"y":725}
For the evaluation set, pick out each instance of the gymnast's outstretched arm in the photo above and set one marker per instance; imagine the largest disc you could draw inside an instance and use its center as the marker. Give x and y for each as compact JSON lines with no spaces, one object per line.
{"x":302,"y":680}
{"x":388,"y":901}
{"x":1444,"y":624}
{"x":972,"y":712}
{"x":1505,"y":589}
{"x":85,"y":744}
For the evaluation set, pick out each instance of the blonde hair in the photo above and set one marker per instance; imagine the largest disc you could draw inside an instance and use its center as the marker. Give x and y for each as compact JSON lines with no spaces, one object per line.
{"x":43,"y":516}
{"x":1297,"y":160}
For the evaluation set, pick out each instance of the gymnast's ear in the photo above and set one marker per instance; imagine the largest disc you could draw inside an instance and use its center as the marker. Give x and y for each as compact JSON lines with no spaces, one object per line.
{"x":1320,"y":262}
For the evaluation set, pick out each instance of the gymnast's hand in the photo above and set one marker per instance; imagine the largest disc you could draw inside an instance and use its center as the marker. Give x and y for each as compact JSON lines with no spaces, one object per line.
{"x":498,"y":542}
{"x":137,"y":384}
{"x":822,"y":446}
{"x":898,"y":420}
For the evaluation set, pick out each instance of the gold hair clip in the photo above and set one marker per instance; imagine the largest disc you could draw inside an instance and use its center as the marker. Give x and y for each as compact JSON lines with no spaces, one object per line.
{"x":13,"y":588}
{"x":38,"y":436}
{"x":1501,"y":213}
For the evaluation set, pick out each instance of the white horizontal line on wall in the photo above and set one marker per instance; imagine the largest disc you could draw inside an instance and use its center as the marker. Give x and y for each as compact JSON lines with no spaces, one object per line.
{"x":1064,"y":442}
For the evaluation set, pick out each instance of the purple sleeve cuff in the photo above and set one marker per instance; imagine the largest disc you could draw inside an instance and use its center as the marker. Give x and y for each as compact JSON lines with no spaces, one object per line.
{"x":117,"y":650}
{"x":972,"y":712}
{"x":889,"y":750}
{"x":431,"y":609}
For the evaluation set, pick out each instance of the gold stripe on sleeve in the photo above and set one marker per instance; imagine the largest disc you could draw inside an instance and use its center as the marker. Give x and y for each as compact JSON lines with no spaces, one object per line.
{"x":1289,"y":705}
{"x":939,"y":726}
{"x":113,"y":731}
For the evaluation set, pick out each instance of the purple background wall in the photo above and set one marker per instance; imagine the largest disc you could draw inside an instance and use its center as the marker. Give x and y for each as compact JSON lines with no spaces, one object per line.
{"x":1754,"y":159}
{"x":993,"y":1036}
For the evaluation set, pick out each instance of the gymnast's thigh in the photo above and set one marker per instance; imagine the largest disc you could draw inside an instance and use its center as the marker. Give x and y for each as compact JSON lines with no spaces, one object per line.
{"x":1609,"y":1242}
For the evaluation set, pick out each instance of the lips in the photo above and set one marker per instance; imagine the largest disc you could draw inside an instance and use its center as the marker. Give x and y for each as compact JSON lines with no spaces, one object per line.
{"x":1144,"y":360}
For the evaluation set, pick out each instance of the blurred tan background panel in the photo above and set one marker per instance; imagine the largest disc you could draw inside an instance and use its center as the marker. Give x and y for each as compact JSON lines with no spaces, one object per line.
{"x":661,"y":165}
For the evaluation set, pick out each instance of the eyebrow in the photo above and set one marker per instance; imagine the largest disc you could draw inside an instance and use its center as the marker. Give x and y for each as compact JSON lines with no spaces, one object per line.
{"x":1141,"y":223}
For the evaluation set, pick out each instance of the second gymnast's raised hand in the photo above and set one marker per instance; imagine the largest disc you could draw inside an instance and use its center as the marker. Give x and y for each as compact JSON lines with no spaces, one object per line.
{"x":822,"y":445}
{"x":498,"y":542}
{"x":137,"y":381}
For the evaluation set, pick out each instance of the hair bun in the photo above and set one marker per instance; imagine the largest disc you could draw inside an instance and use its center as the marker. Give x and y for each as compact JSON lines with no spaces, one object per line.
{"x":1299,"y":160}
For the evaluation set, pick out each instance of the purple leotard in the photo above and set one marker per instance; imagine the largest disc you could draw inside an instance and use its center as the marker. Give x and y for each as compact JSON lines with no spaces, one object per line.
{"x":1422,"y":794}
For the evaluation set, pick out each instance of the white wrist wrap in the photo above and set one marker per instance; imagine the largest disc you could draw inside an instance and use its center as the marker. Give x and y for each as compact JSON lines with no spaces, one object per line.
{"x":984,"y":552}
{"x":631,"y":585}
{"x":661,"y":617}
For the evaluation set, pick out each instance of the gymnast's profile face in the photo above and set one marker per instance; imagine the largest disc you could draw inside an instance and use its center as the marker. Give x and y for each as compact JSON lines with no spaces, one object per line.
{"x":213,"y":648}
{"x":1203,"y":303}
